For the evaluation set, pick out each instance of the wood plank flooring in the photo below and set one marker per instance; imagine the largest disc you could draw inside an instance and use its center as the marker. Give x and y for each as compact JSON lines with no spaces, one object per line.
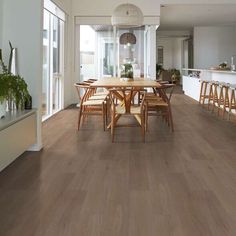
{"x":80,"y":184}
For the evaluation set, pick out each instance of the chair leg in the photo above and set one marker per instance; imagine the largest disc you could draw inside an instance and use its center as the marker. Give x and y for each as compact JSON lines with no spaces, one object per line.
{"x":106,"y":111}
{"x":143,"y":127}
{"x":112,"y":127}
{"x":146,"y":119}
{"x":226,"y":101}
{"x":103,"y":116}
{"x":80,"y":116}
{"x":204,"y":95}
{"x":215,"y":98}
{"x":106,"y":115}
{"x":200,"y":98}
{"x":210,"y":97}
{"x":170,"y":118}
{"x":231,"y":103}
{"x":220,"y":101}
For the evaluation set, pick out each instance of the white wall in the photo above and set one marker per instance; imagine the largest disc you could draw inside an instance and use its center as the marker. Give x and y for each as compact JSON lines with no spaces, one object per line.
{"x":172,"y":52}
{"x":167,"y":44}
{"x":22,"y":25}
{"x":1,"y":22}
{"x":177,"y":53}
{"x":213,"y":45}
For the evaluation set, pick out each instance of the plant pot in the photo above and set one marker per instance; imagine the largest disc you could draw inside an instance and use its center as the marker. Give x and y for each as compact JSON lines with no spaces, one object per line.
{"x":3,"y":107}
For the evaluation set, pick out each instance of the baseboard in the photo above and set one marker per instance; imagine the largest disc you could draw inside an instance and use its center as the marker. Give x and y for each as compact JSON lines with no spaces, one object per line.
{"x":35,"y":147}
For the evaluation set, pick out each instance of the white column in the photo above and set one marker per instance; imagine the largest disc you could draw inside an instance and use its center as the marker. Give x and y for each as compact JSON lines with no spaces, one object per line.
{"x":152,"y":68}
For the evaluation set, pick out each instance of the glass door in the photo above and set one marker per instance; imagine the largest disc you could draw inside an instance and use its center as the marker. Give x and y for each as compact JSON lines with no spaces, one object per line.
{"x":46,"y":66}
{"x":53,"y":63}
{"x":96,"y":51}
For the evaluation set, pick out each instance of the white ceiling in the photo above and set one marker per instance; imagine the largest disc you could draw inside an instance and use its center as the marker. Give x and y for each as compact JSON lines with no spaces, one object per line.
{"x":185,"y":17}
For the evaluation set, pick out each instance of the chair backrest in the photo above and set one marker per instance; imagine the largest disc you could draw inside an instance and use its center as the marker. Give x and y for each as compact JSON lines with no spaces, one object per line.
{"x":125,"y":96}
{"x":84,"y":91}
{"x":162,"y":90}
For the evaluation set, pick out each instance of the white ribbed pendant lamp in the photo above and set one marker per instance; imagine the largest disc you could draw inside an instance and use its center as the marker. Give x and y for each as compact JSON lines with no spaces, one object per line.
{"x":126,"y":16}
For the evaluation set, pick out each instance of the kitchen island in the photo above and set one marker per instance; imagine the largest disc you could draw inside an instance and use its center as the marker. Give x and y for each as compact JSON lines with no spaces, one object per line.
{"x":192,"y":79}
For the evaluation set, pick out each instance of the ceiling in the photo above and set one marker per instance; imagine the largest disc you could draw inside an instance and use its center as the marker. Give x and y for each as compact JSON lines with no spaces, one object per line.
{"x":100,"y":28}
{"x":185,"y":17}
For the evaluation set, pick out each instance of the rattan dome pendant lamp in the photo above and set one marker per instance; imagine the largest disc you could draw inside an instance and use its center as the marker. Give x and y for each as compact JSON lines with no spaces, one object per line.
{"x":127,"y":16}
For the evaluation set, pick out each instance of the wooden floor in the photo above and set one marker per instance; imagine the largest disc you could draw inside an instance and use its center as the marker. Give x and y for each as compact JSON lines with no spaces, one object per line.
{"x":181,"y":183}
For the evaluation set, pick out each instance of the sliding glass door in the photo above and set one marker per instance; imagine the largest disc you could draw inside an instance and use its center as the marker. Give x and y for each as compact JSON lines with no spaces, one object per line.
{"x":53,"y":64}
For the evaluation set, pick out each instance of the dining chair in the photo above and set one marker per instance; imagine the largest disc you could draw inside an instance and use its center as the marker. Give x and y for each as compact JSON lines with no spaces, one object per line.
{"x":159,"y":104}
{"x":91,"y":103}
{"x":96,"y":92}
{"x":125,"y":106}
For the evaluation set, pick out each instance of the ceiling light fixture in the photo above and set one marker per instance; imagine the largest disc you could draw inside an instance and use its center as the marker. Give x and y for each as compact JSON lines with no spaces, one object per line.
{"x":127,"y":39}
{"x":127,"y":16}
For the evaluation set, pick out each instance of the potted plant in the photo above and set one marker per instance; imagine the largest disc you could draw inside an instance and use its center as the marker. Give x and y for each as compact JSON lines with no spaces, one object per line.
{"x":127,"y":71}
{"x":175,"y":75}
{"x":13,"y":90}
{"x":17,"y":93}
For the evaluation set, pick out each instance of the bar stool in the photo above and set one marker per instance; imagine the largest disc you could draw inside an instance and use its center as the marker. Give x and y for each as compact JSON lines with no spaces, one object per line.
{"x":213,"y":94}
{"x":223,"y":101}
{"x":203,"y":91}
{"x":232,"y":103}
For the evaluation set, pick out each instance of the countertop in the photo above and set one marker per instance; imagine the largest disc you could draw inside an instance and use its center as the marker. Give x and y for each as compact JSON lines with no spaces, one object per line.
{"x":210,"y":70}
{"x":14,"y":116}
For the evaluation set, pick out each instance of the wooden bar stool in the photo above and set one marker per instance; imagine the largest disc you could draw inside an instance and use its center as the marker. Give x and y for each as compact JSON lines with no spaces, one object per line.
{"x":232,"y":103}
{"x":223,"y":101}
{"x":213,"y":94}
{"x":203,"y":92}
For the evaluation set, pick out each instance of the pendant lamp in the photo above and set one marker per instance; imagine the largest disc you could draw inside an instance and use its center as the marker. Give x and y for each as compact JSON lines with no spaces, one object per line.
{"x":127,"y":38}
{"x":127,"y":16}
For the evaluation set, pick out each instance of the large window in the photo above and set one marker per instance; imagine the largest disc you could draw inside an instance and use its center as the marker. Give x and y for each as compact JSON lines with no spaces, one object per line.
{"x":53,"y":59}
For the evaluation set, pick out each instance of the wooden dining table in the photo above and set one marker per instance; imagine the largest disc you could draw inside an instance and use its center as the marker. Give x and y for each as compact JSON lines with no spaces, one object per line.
{"x":115,"y":82}
{"x":119,"y":83}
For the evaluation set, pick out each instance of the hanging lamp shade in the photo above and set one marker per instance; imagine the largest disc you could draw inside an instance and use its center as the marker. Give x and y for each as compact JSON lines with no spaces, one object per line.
{"x":126,"y":16}
{"x":127,"y":38}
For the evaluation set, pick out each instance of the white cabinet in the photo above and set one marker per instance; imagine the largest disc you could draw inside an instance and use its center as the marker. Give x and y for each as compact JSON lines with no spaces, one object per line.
{"x":191,"y":87}
{"x":17,"y":134}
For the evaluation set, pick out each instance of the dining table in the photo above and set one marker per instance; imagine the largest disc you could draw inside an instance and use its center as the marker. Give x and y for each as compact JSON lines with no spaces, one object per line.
{"x":137,"y":84}
{"x":116,"y":82}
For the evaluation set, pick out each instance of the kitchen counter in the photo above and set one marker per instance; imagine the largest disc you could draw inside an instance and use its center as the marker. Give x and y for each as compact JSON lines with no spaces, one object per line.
{"x":192,"y":83}
{"x":210,"y":70}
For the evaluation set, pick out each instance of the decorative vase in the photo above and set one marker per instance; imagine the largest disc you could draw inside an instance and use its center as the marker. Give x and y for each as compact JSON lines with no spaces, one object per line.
{"x":3,"y":106}
{"x":28,"y":103}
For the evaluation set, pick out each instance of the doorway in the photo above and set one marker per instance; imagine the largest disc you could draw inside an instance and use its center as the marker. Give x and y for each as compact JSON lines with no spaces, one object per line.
{"x":100,"y":52}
